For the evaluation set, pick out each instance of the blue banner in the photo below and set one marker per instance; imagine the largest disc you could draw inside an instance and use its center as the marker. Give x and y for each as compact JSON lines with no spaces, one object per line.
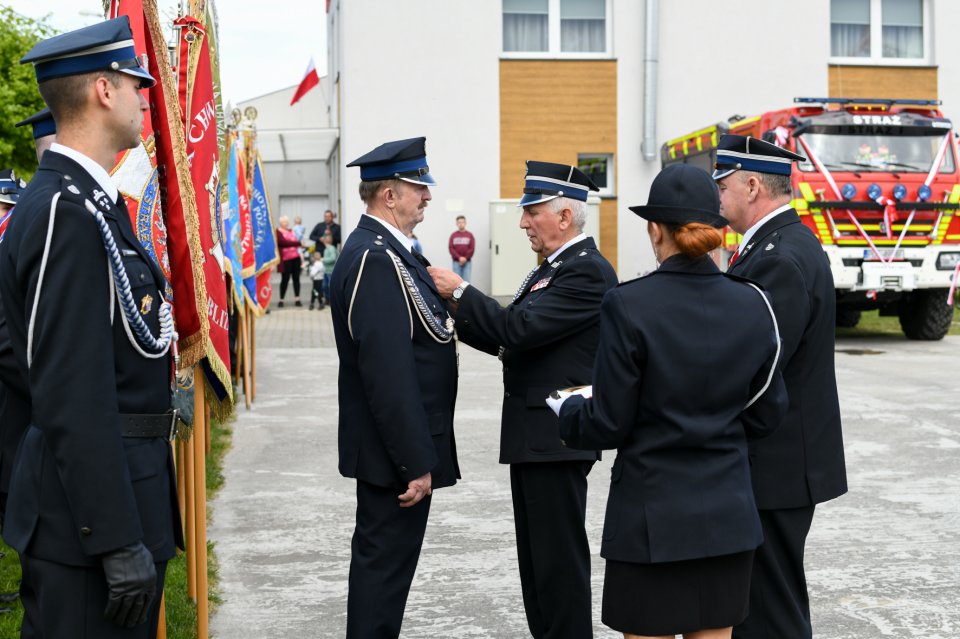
{"x":264,"y":237}
{"x":232,"y":249}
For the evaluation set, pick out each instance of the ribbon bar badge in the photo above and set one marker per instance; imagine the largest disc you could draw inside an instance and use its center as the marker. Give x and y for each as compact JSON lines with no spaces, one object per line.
{"x":541,"y":284}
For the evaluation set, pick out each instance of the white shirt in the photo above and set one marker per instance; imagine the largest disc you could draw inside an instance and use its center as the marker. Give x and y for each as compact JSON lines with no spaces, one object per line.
{"x":96,"y":171}
{"x":560,"y":250}
{"x":397,"y":233}
{"x":753,"y":229}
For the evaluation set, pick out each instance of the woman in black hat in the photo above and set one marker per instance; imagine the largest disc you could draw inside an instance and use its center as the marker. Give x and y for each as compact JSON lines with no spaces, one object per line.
{"x":686,"y":370}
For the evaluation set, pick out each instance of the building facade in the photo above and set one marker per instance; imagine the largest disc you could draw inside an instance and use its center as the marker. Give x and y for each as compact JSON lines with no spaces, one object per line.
{"x":602,"y":84}
{"x":296,"y":144}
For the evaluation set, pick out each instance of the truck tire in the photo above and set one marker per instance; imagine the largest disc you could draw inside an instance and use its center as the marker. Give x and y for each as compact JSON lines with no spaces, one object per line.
{"x":924,"y":315}
{"x":847,"y":317}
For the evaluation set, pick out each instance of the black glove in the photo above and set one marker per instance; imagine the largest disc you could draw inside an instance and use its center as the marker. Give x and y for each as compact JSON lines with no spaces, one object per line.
{"x":131,"y":584}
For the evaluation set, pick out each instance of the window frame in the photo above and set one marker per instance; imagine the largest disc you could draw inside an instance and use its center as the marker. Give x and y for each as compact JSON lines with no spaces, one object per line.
{"x":553,"y":51}
{"x":876,"y":57}
{"x":610,"y":191}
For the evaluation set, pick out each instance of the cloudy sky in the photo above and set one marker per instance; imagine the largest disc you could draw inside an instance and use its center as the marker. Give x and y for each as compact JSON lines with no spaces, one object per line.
{"x":263,"y":47}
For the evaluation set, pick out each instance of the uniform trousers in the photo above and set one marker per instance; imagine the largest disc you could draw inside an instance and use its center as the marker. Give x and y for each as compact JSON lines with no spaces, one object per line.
{"x":549,"y":511}
{"x":779,"y":604}
{"x":384,"y":553}
{"x":67,"y":602}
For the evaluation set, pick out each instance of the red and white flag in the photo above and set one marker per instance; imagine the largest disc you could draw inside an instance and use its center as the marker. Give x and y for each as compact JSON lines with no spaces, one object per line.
{"x":310,"y":80}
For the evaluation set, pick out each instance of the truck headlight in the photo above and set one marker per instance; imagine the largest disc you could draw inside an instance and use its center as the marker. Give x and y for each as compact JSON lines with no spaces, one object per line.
{"x":947,"y":261}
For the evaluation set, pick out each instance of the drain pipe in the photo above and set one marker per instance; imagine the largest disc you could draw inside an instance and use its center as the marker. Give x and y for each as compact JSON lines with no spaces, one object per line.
{"x":650,"y":64}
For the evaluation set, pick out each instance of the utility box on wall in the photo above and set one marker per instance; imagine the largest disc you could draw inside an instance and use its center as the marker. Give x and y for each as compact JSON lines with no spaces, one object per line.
{"x":511,"y":258}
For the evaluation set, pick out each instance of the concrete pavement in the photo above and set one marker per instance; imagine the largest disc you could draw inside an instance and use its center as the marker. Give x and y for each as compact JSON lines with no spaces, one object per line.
{"x":882,"y":561}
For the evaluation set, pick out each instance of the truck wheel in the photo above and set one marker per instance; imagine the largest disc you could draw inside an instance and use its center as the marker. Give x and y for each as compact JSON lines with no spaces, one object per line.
{"x":924,"y":315}
{"x":847,"y":317}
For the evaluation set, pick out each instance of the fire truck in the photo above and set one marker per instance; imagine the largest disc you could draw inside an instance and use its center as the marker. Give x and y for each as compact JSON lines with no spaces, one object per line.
{"x":880,"y":189}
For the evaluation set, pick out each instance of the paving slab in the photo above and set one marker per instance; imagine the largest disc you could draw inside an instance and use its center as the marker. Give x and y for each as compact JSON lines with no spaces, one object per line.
{"x":882,"y":561}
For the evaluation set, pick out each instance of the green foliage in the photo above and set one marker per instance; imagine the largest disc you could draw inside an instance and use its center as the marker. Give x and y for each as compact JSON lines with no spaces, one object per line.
{"x":19,"y":97}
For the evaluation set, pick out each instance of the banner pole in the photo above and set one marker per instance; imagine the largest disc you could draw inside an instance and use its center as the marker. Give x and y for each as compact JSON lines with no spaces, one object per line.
{"x":162,"y":622}
{"x":181,"y":464}
{"x":188,"y":520}
{"x":200,"y":516}
{"x":206,"y":425}
{"x":253,"y":357}
{"x":247,"y":390}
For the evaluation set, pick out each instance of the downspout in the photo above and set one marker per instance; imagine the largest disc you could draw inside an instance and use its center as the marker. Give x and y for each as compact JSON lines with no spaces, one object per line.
{"x":650,"y":63}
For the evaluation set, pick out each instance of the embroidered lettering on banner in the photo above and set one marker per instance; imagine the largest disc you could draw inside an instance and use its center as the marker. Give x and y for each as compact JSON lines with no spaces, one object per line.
{"x":541,"y":284}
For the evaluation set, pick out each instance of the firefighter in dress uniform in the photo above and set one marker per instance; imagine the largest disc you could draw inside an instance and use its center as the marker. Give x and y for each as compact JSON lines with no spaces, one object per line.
{"x":687,"y":369}
{"x":92,"y":508}
{"x":547,"y":338}
{"x":802,"y":464}
{"x":397,"y":385}
{"x":14,"y":397}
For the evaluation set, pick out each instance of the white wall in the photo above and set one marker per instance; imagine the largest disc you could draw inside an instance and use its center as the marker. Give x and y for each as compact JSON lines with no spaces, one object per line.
{"x":427,"y":68}
{"x":946,"y":55}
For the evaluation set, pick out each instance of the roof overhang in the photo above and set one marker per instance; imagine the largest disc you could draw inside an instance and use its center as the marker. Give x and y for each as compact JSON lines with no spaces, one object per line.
{"x":296,"y":145}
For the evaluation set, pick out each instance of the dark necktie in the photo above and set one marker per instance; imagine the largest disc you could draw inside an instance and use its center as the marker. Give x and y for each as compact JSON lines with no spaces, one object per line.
{"x":417,"y":255}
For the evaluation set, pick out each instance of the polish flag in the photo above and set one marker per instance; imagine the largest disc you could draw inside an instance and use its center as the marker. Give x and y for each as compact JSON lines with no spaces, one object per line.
{"x":310,"y":80}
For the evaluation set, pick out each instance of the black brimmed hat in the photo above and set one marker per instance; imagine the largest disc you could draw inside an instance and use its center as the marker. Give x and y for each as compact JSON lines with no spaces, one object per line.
{"x":10,"y":187}
{"x":681,"y":194}
{"x":41,"y":122}
{"x":547,"y":180}
{"x":736,"y":152}
{"x":398,"y":160}
{"x":105,"y":46}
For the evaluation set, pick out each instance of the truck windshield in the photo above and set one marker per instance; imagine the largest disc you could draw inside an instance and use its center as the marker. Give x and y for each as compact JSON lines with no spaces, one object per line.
{"x":870,"y":152}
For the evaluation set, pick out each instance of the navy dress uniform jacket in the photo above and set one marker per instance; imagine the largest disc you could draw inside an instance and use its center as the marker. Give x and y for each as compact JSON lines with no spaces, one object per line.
{"x":549,"y":336}
{"x":802,"y":464}
{"x":14,"y":405}
{"x":397,"y":385}
{"x":78,"y":488}
{"x":682,"y":351}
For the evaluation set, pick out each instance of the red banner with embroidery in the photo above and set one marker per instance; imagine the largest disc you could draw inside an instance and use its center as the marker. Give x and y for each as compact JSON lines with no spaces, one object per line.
{"x":179,"y":203}
{"x":197,"y":101}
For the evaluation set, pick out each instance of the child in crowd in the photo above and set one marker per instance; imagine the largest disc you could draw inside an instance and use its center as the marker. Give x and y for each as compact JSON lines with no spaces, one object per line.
{"x":329,"y":259}
{"x":318,"y":275}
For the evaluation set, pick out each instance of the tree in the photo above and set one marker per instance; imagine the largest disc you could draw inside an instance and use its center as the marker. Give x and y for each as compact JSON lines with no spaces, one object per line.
{"x":19,"y":97}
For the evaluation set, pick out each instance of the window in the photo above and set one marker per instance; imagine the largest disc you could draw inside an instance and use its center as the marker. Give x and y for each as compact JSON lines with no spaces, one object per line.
{"x":525,"y":25}
{"x":879,"y":31}
{"x":556,"y":28}
{"x":599,"y":168}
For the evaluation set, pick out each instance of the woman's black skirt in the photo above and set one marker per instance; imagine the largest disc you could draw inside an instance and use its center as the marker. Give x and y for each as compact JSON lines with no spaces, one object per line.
{"x":678,"y":596}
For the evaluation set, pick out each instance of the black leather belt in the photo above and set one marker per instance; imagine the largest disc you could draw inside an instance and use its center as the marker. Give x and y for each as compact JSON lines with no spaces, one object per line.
{"x":163,"y":425}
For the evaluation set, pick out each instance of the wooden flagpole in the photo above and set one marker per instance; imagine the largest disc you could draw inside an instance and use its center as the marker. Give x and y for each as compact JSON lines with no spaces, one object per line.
{"x":189,"y":510}
{"x":243,"y":353}
{"x":162,"y":623}
{"x":200,"y":504}
{"x":253,"y":357}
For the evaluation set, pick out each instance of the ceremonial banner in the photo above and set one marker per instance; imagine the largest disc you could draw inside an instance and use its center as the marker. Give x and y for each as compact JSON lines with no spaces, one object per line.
{"x":233,"y":249}
{"x":198,"y":102}
{"x":247,"y":258}
{"x":135,"y":172}
{"x":184,"y":262}
{"x":264,"y":236}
